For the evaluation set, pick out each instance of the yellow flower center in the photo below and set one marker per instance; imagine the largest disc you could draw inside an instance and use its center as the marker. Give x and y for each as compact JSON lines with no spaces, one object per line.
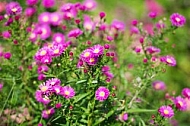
{"x":45,"y":18}
{"x":92,"y":60}
{"x":55,"y":19}
{"x":67,"y":92}
{"x":44,"y":88}
{"x":56,"y":51}
{"x":48,"y":112}
{"x":86,"y":54}
{"x":166,"y":112}
{"x":157,"y":86}
{"x":57,"y":90}
{"x":43,"y":52}
{"x":14,"y":9}
{"x":177,"y":19}
{"x":102,"y":94}
{"x":169,"y":60}
{"x":96,"y":51}
{"x":88,"y":26}
{"x":180,"y":103}
{"x":69,"y":15}
{"x":58,"y":39}
{"x":44,"y":31}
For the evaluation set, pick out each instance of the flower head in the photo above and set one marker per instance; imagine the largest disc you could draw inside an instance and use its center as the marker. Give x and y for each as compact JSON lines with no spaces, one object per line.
{"x":152,"y":49}
{"x":55,"y":18}
{"x":75,"y":33}
{"x":31,"y":2}
{"x":159,"y":85}
{"x":118,"y":25}
{"x":186,"y":93}
{"x":97,"y":50}
{"x":30,"y":11}
{"x":88,"y":24}
{"x":68,"y":92}
{"x":123,"y":116}
{"x":47,"y":113}
{"x":177,"y":20}
{"x":44,"y":18}
{"x":6,"y":34}
{"x":180,"y":103}
{"x":58,"y":38}
{"x":48,"y":3}
{"x":89,"y":4}
{"x":13,"y":8}
{"x":166,"y":111}
{"x":102,"y":93}
{"x":168,"y":60}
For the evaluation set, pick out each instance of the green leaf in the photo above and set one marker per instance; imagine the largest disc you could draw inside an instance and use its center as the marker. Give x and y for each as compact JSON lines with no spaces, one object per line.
{"x":80,"y":97}
{"x":140,"y":110}
{"x":99,"y":121}
{"x":81,"y":81}
{"x":110,"y":113}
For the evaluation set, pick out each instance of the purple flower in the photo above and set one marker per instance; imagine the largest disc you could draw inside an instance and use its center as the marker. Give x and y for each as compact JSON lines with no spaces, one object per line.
{"x":68,"y":92}
{"x":13,"y":8}
{"x":97,"y":50}
{"x":177,"y":20}
{"x":134,"y":30}
{"x":67,"y":7}
{"x":169,"y":60}
{"x":47,"y":113}
{"x":30,"y":11}
{"x":40,"y":97}
{"x":102,"y":15}
{"x":6,"y":34}
{"x":41,"y":53}
{"x":1,"y":86}
{"x":7,"y":55}
{"x":166,"y":111}
{"x":41,"y":76}
{"x":92,"y":61}
{"x":180,"y":103}
{"x":56,"y":51}
{"x":46,"y":31}
{"x":123,"y":117}
{"x":70,"y":14}
{"x":58,"y":89}
{"x":186,"y":93}
{"x":33,"y":37}
{"x":88,"y":24}
{"x":152,"y":14}
{"x":159,"y":85}
{"x":45,"y":88}
{"x":118,"y":25}
{"x":86,"y":54}
{"x":48,"y":3}
{"x":105,"y":69}
{"x":152,"y":49}
{"x":102,"y":93}
{"x":42,"y":69}
{"x":89,"y":4}
{"x":58,"y":38}
{"x":55,"y":18}
{"x":44,"y":18}
{"x":31,"y":2}
{"x":75,"y":33}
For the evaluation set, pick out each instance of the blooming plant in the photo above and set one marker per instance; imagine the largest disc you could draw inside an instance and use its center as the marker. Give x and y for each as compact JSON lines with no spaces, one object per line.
{"x":67,"y":67}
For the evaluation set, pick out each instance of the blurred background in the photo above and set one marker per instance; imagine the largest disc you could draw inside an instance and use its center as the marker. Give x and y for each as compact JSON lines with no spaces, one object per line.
{"x":176,"y":78}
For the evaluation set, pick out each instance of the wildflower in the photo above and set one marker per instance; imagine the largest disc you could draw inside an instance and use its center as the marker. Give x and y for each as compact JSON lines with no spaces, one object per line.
{"x":13,"y":8}
{"x":75,"y":33}
{"x":7,"y":55}
{"x":180,"y":103}
{"x":134,"y":30}
{"x":92,"y":61}
{"x":97,"y":50}
{"x":168,"y":60}
{"x":110,"y":38}
{"x":53,"y":82}
{"x":186,"y":93}
{"x":86,"y":54}
{"x":45,"y":88}
{"x":68,"y":92}
{"x":89,"y":4}
{"x":177,"y":20}
{"x":30,"y":11}
{"x":6,"y":34}
{"x":58,"y":89}
{"x":58,"y":38}
{"x":56,"y":51}
{"x":159,"y":85}
{"x":1,"y":86}
{"x":88,"y":23}
{"x":123,"y":117}
{"x":42,"y":69}
{"x":118,"y":25}
{"x":102,"y":15}
{"x":44,"y":18}
{"x":41,"y":76}
{"x":48,"y":3}
{"x":67,"y":7}
{"x":152,"y":14}
{"x":102,"y":93}
{"x":40,"y":97}
{"x":152,"y":49}
{"x":134,"y":22}
{"x":105,"y":68}
{"x":31,"y":2}
{"x":80,"y":63}
{"x":70,"y":14}
{"x":55,"y":18}
{"x":47,"y":113}
{"x":58,"y":105}
{"x":46,"y":31}
{"x":166,"y":111}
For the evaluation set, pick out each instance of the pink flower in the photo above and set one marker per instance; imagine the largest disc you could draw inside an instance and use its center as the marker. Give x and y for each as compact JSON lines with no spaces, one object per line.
{"x":180,"y":103}
{"x":169,"y":60}
{"x":7,"y":55}
{"x":88,"y":24}
{"x":159,"y":85}
{"x":48,"y":3}
{"x":89,"y":4}
{"x":75,"y":33}
{"x":186,"y":93}
{"x":44,"y":18}
{"x":102,"y":93}
{"x":6,"y":34}
{"x":47,"y":113}
{"x":97,"y":50}
{"x":177,"y":20}
{"x":30,"y":11}
{"x":166,"y":111}
{"x":55,"y":18}
{"x":118,"y":25}
{"x":152,"y":14}
{"x":68,"y":92}
{"x":31,"y":2}
{"x":123,"y":117}
{"x":13,"y":8}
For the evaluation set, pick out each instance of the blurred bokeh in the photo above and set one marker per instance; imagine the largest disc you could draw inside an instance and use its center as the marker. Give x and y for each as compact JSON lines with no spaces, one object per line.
{"x":176,"y":78}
